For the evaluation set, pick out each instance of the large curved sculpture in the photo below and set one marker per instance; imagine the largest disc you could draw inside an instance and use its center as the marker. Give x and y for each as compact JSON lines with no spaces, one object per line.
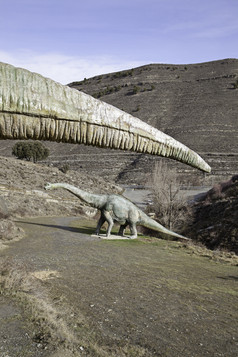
{"x":35,"y":107}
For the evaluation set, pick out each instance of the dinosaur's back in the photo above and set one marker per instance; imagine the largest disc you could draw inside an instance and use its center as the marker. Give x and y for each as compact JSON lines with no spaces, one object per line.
{"x":122,"y":208}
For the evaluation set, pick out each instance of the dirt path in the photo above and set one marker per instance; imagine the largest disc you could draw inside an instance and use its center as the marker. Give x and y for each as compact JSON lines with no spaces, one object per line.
{"x":136,"y":297}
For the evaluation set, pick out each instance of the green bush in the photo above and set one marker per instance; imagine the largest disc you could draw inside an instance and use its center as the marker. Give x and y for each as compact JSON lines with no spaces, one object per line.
{"x":64,"y":168}
{"x":135,"y":90}
{"x":123,"y":74}
{"x":108,"y":90}
{"x":28,"y":150}
{"x":235,"y":85}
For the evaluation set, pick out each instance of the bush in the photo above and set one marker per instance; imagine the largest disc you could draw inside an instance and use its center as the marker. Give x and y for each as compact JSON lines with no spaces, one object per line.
{"x":64,"y":168}
{"x":123,"y":74}
{"x":235,"y":85}
{"x":28,"y":150}
{"x":135,"y":90}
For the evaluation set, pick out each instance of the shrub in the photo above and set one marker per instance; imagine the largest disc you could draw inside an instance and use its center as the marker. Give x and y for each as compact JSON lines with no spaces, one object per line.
{"x":137,"y":108}
{"x":64,"y":168}
{"x":28,"y":150}
{"x":135,"y":90}
{"x":123,"y":74}
{"x":106,"y":91}
{"x":235,"y":85}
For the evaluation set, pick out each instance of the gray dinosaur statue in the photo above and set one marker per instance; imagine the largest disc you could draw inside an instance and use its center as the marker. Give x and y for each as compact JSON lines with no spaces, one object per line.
{"x":34,"y":107}
{"x":115,"y":208}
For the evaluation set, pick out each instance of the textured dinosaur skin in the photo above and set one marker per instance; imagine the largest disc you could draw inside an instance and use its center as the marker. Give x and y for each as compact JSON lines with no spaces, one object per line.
{"x":34,"y":107}
{"x":115,"y":208}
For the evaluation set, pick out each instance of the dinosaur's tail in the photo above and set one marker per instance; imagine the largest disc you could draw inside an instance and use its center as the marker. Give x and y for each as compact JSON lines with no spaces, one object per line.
{"x":152,"y":224}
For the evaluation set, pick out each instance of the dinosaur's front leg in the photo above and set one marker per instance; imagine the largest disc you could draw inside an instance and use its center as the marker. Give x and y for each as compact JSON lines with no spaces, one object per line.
{"x":100,"y":223}
{"x":109,"y":220}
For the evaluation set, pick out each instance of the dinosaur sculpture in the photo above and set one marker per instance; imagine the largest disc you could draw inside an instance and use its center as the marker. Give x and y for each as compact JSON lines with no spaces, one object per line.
{"x":115,"y":208}
{"x":34,"y":107}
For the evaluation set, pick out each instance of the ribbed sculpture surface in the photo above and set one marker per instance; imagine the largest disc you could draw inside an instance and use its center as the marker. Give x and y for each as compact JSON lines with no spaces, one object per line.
{"x":34,"y":107}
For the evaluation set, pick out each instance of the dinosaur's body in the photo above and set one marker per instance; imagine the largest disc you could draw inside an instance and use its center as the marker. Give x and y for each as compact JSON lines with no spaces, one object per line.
{"x":115,"y":208}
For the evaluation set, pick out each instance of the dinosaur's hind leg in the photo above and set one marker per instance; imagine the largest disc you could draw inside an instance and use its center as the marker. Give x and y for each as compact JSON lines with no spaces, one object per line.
{"x":122,"y":229}
{"x":133,"y":230}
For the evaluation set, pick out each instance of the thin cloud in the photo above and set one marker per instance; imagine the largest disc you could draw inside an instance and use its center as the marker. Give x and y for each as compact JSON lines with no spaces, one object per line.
{"x":217,"y":32}
{"x":66,"y":69}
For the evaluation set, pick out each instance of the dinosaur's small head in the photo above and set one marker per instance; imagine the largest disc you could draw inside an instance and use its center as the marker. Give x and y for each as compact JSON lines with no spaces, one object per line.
{"x":48,"y":186}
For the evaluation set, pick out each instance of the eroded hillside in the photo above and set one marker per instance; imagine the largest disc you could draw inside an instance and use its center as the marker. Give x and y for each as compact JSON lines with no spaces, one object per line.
{"x":22,"y":189}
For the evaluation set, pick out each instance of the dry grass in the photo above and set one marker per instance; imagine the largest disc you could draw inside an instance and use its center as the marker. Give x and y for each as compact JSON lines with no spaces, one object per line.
{"x":217,"y":255}
{"x":48,"y":318}
{"x":55,"y":326}
{"x":9,"y":232}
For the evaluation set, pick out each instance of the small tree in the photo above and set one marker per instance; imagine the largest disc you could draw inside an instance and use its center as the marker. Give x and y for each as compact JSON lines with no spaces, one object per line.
{"x":27,"y":150}
{"x":169,"y":204}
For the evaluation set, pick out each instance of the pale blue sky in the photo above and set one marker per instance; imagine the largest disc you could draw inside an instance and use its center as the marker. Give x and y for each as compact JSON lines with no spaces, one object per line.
{"x":68,"y":40}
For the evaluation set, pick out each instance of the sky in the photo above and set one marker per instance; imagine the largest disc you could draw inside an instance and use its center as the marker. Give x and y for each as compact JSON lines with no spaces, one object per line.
{"x":69,"y":40}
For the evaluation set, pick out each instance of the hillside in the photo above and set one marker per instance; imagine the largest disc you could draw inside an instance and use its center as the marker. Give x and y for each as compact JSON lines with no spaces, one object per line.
{"x":215,"y":220}
{"x":22,"y":189}
{"x":196,"y":104}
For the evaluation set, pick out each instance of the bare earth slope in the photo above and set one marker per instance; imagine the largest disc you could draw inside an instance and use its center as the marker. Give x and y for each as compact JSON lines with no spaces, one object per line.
{"x":22,"y":189}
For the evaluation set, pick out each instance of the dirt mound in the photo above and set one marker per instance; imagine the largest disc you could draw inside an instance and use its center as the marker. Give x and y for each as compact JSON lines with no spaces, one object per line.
{"x":216,"y":217}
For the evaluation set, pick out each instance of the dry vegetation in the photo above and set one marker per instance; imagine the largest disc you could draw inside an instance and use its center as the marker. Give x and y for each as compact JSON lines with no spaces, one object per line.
{"x":210,"y":220}
{"x":50,"y":326}
{"x":8,"y":229}
{"x":215,"y":217}
{"x":54,"y":329}
{"x":169,"y":206}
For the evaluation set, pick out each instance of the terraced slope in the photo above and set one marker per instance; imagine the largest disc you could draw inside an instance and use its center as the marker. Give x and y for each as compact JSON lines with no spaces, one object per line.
{"x":197,"y":104}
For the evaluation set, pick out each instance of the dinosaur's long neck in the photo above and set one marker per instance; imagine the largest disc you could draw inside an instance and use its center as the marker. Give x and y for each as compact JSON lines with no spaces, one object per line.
{"x":34,"y":107}
{"x":94,"y":200}
{"x":151,"y":223}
